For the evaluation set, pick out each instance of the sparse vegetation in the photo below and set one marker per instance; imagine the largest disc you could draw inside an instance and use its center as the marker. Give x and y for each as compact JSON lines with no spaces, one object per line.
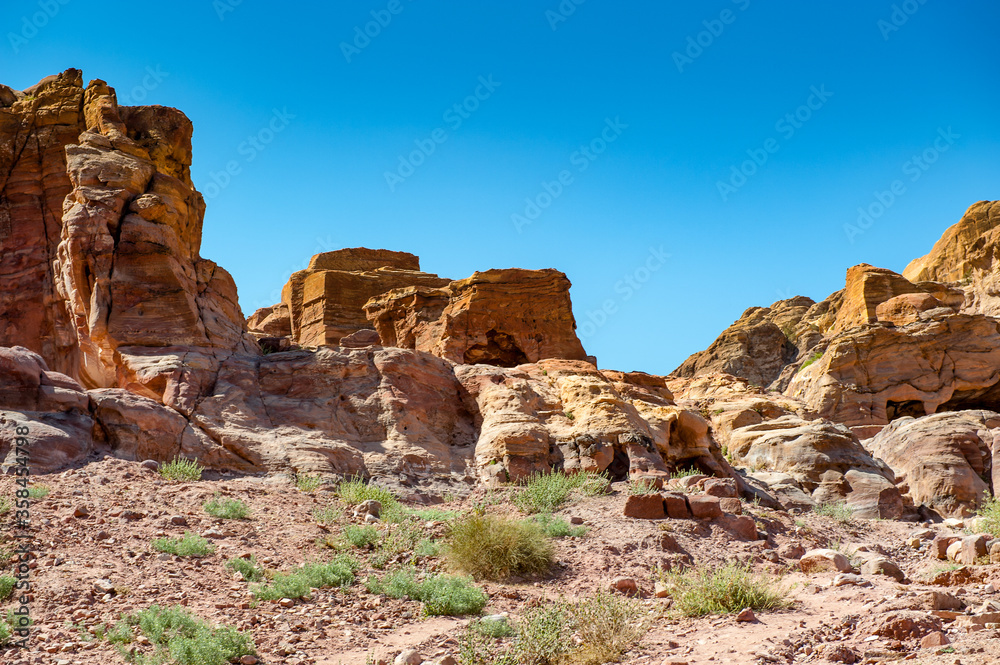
{"x":338,"y":572}
{"x":545,"y":492}
{"x":7,"y":585}
{"x":555,"y":526}
{"x":5,"y":505}
{"x":838,"y":511}
{"x":307,"y":483}
{"x":356,"y":490}
{"x":181,"y":469}
{"x":723,"y":590}
{"x":810,"y":360}
{"x":442,"y":595}
{"x":642,"y":486}
{"x":989,"y":512}
{"x":247,"y":568}
{"x":179,"y":637}
{"x":361,"y":537}
{"x":495,"y":548}
{"x":227,"y":509}
{"x":38,"y":491}
{"x":684,"y":473}
{"x":190,"y":544}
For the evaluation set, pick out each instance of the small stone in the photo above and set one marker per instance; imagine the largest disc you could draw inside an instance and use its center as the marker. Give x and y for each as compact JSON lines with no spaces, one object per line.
{"x":914,"y":543}
{"x":576,"y":520}
{"x":81,"y":511}
{"x":625,"y":585}
{"x":286,"y":602}
{"x":645,"y":507}
{"x":844,"y":579}
{"x":446,"y":660}
{"x":704,"y":506}
{"x":371,"y":519}
{"x":103,"y":586}
{"x":935,"y":639}
{"x":409,"y":657}
{"x":660,"y":590}
{"x":370,"y":507}
{"x":178,"y":520}
{"x":746,"y":615}
{"x":248,"y":660}
{"x":102,"y":535}
{"x":213,"y":533}
{"x":151,"y":464}
{"x":721,"y":487}
{"x":792,"y":551}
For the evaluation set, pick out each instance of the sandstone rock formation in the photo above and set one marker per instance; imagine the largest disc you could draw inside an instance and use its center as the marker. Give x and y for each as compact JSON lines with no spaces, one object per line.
{"x":756,"y":347}
{"x":943,"y":461}
{"x":325,"y":302}
{"x":498,"y":317}
{"x":99,"y":204}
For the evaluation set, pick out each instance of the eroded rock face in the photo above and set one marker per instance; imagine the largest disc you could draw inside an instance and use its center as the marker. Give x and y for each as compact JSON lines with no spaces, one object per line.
{"x":498,"y":317}
{"x":756,"y":347}
{"x":325,"y":302}
{"x":101,"y":228}
{"x":35,"y":127}
{"x":566,"y":414}
{"x":870,"y":375}
{"x":941,"y":460}
{"x":826,"y":459}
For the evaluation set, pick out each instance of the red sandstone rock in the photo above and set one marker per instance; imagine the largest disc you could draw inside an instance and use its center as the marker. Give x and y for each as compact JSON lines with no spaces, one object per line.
{"x":645,"y":507}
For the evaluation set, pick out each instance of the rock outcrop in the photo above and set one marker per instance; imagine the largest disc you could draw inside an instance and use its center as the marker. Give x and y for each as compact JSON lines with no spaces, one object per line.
{"x":943,"y":461}
{"x":325,"y":302}
{"x":498,"y":317}
{"x":756,"y":347}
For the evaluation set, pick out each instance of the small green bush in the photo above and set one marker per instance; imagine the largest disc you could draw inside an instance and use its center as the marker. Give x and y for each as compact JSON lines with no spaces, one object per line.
{"x":494,"y":548}
{"x":191,"y":544}
{"x":5,"y":632}
{"x":327,"y":515}
{"x":989,"y":512}
{"x":5,"y":505}
{"x":839,"y":511}
{"x":307,"y":483}
{"x":227,"y":509}
{"x":442,"y":595}
{"x":361,"y":537}
{"x":638,"y":486}
{"x":557,"y":527}
{"x":723,"y":590}
{"x":684,"y":473}
{"x":356,"y":490}
{"x":179,"y":637}
{"x":810,"y":360}
{"x":427,"y":547}
{"x":38,"y":491}
{"x":545,"y":492}
{"x":495,"y":628}
{"x":543,"y":635}
{"x":181,"y":469}
{"x":248,"y":568}
{"x":7,"y":585}
{"x":338,"y":572}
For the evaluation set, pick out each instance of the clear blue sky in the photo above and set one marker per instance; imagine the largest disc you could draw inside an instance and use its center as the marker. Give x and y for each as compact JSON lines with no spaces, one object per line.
{"x":320,"y":183}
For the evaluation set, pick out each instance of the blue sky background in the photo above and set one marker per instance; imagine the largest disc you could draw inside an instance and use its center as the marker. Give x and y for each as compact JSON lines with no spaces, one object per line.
{"x":320,"y":183}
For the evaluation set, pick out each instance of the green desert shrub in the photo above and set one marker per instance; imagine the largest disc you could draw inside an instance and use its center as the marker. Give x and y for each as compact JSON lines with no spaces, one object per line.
{"x":227,"y":509}
{"x":989,"y":512}
{"x":190,"y":544}
{"x":178,"y":637}
{"x":723,"y":590}
{"x":180,"y":469}
{"x":248,"y":568}
{"x":838,"y":511}
{"x":442,"y":595}
{"x":494,"y":548}
{"x":338,"y":572}
{"x":555,"y":526}
{"x":546,"y":492}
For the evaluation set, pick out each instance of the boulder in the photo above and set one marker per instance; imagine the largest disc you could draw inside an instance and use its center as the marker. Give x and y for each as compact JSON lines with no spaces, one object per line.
{"x":939,"y":460}
{"x":645,"y":507}
{"x":705,"y":507}
{"x":824,"y":560}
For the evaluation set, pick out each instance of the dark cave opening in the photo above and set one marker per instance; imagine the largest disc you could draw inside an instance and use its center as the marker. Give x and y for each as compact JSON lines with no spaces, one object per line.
{"x":500,"y":350}
{"x":913,"y":407}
